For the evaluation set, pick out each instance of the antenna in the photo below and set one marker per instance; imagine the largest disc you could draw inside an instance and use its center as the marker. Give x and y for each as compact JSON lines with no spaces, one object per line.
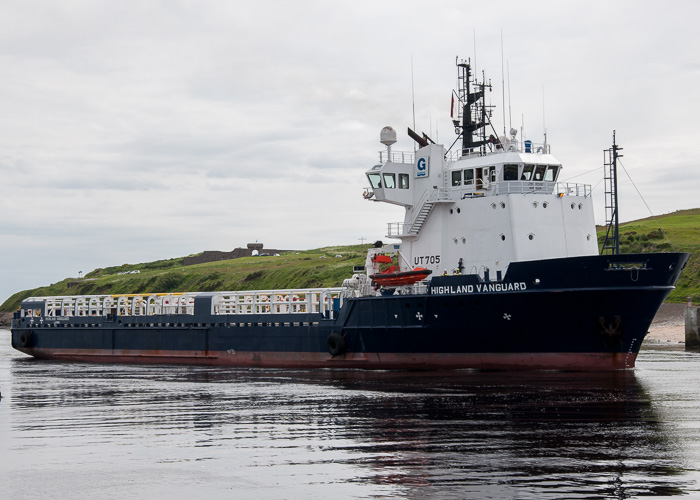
{"x":510,"y":116}
{"x":503,"y":88}
{"x":474,"y":50}
{"x":413,"y":101}
{"x":544,"y":126}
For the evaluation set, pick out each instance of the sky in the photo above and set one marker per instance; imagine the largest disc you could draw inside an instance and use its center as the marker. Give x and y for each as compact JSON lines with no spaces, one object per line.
{"x":135,"y":131}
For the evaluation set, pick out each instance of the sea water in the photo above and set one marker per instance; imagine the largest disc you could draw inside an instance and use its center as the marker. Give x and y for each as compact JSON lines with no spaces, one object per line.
{"x":74,"y":430}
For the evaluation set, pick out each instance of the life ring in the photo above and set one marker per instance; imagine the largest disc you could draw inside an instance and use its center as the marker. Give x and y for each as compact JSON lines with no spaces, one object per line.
{"x":336,"y":344}
{"x":25,"y":339}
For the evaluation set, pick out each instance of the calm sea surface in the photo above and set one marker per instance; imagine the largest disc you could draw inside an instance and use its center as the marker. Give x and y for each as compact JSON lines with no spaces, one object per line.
{"x":120,"y":431}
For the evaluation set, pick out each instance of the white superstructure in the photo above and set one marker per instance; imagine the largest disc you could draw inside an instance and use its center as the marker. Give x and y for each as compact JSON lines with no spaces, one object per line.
{"x":493,"y":202}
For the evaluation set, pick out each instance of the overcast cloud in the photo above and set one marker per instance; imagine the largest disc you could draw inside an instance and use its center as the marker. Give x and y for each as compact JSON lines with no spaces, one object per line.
{"x":140,"y":130}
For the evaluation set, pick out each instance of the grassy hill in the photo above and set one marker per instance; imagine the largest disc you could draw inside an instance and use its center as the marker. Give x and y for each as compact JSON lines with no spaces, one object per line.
{"x":306,"y":269}
{"x":679,"y":231}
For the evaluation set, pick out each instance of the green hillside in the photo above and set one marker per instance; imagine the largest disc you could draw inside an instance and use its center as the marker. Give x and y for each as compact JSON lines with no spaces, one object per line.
{"x":309,"y":269}
{"x":304,"y":269}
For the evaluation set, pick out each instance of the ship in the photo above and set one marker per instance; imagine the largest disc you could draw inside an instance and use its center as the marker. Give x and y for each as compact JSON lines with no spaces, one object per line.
{"x":495,"y":265}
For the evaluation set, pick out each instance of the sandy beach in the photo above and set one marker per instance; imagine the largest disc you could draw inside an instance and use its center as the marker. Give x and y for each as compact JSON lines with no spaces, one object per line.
{"x":668,"y":325}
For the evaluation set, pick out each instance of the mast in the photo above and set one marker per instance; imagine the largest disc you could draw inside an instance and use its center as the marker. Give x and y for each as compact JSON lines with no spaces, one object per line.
{"x":612,"y":217}
{"x":474,"y":114}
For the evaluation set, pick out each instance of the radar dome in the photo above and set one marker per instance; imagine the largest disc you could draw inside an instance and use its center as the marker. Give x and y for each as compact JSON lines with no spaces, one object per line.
{"x":387,"y":136}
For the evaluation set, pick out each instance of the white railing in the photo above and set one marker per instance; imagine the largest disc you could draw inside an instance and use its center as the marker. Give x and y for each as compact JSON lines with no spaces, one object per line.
{"x":395,"y":229}
{"x":311,"y":300}
{"x":542,"y":187}
{"x":572,"y":189}
{"x":508,"y":147}
{"x":396,"y":156}
{"x":117,"y":305}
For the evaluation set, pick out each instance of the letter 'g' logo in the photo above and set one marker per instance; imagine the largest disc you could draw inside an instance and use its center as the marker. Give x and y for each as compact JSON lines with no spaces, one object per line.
{"x":422,"y":167}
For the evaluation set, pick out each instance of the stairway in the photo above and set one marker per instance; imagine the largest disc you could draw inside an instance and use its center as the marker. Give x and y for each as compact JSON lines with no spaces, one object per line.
{"x":421,"y":218}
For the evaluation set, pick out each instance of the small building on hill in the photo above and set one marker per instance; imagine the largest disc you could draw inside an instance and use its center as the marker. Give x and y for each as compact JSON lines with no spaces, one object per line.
{"x":214,"y":255}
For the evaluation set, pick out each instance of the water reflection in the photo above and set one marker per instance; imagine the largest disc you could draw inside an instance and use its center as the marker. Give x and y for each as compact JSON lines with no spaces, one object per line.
{"x":443,"y":434}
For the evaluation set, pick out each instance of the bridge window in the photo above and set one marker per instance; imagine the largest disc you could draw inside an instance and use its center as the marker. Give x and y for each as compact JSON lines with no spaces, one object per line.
{"x":510,"y":172}
{"x":469,"y":177}
{"x":551,"y":174}
{"x":456,"y":177}
{"x":539,"y":173}
{"x":389,"y":181}
{"x":375,"y":181}
{"x":403,"y":181}
{"x":527,"y":173}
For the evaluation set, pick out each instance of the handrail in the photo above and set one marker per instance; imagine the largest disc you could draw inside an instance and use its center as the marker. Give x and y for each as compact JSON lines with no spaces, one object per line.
{"x":292,"y":301}
{"x":510,"y":146}
{"x":396,"y":156}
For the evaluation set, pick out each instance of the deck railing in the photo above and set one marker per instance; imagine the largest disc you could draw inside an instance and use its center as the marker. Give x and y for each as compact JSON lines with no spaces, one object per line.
{"x":397,"y":157}
{"x":291,"y":301}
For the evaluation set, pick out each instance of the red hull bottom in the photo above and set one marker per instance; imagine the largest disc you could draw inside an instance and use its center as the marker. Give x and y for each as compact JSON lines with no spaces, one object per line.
{"x":368,"y":361}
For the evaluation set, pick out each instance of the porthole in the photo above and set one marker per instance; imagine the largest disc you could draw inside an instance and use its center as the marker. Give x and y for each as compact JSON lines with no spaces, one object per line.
{"x":588,"y":237}
{"x":451,"y":211}
{"x":580,"y":206}
{"x":534,"y":204}
{"x":464,"y":241}
{"x":573,"y":205}
{"x":545,"y":204}
{"x":503,"y":237}
{"x":531,"y":236}
{"x":459,"y":210}
{"x":503,"y":205}
{"x":493,"y":205}
{"x":455,"y":240}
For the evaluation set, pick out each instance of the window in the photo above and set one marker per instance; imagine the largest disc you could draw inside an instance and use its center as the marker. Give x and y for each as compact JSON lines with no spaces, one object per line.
{"x":527,"y":173}
{"x":389,"y":181}
{"x":539,"y":173}
{"x":551,"y":174}
{"x":403,"y":181}
{"x":375,"y":180}
{"x":469,"y":177}
{"x":510,"y":172}
{"x":456,"y":177}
